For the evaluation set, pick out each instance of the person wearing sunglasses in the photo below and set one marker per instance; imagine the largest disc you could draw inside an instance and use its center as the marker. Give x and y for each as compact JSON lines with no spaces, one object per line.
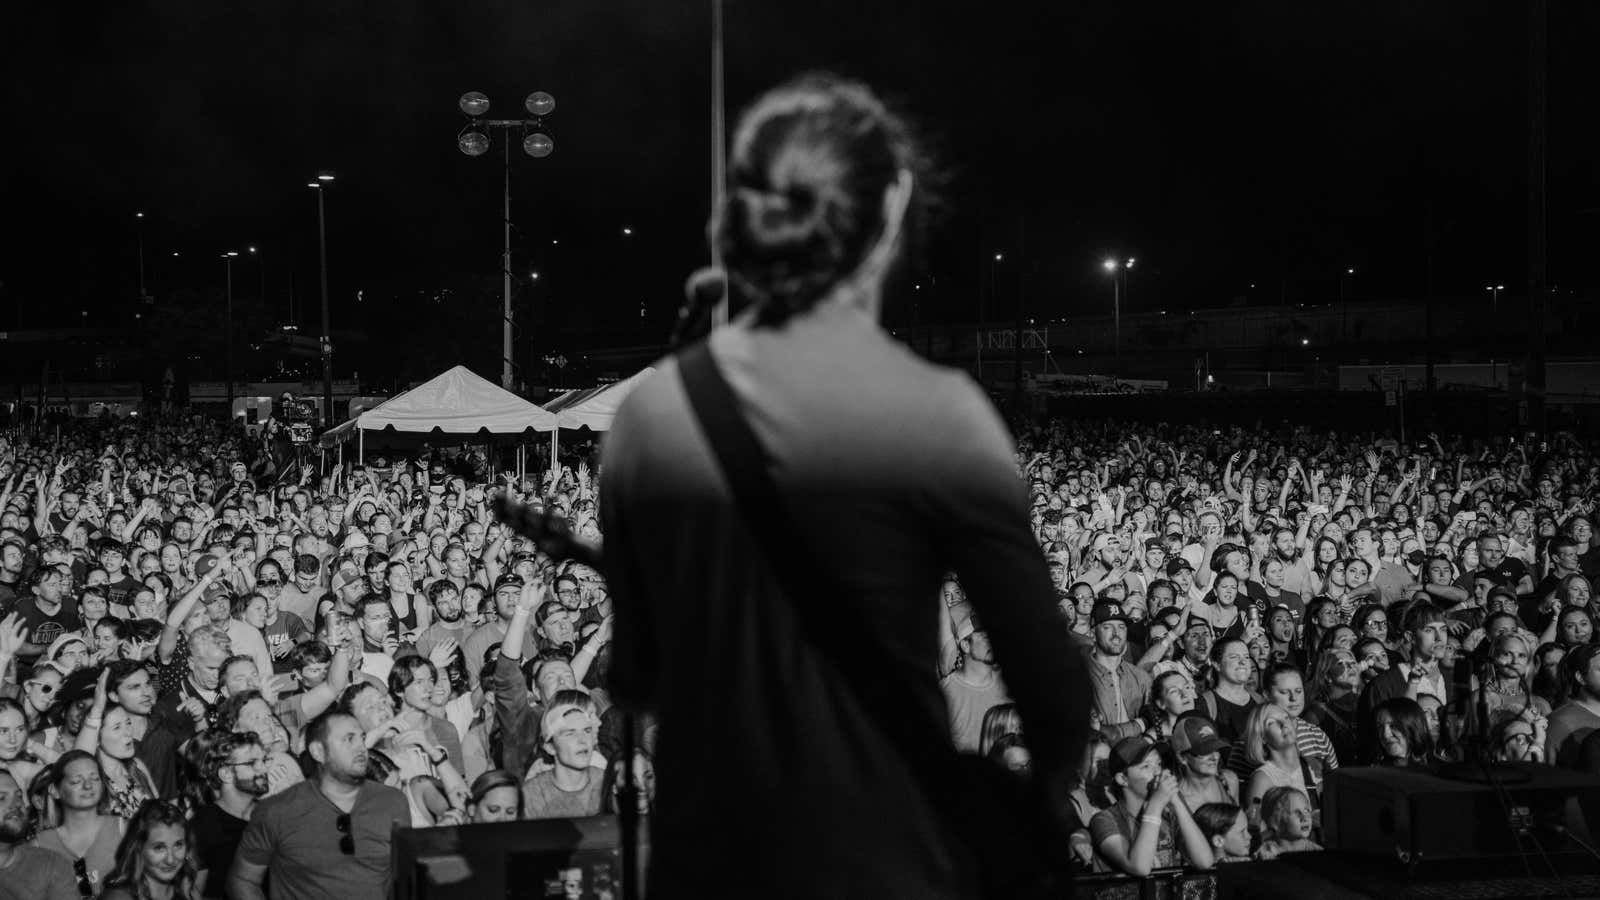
{"x":283,"y":630}
{"x":327,"y":836}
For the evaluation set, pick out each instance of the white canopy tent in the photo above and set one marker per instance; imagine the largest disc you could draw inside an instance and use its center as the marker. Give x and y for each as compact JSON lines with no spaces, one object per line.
{"x":455,"y":402}
{"x":594,"y":409}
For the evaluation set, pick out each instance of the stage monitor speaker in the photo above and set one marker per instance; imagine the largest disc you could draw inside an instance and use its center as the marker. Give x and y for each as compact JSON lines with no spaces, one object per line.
{"x":1414,"y":817}
{"x":540,"y":858}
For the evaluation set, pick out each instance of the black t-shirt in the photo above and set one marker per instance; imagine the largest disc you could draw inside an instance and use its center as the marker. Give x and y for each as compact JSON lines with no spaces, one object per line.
{"x":893,"y":472}
{"x":1257,"y":593}
{"x":42,"y":628}
{"x":121,"y":590}
{"x":216,"y":839}
{"x":1508,"y":574}
{"x":1231,"y":718}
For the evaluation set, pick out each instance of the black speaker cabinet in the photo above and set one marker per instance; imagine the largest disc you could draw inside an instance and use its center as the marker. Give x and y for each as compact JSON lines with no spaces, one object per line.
{"x":1414,"y":817}
{"x":576,"y":858}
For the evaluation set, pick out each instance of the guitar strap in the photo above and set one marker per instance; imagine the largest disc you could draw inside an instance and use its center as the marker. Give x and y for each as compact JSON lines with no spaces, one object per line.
{"x":744,"y":466}
{"x":980,"y":805}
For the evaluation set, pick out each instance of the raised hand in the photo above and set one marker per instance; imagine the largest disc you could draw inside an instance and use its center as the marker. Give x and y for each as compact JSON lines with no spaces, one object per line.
{"x":441,"y":653}
{"x":196,"y":711}
{"x":13,"y":634}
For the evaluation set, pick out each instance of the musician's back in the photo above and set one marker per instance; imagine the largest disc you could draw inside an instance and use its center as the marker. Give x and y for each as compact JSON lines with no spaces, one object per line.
{"x":772,"y":778}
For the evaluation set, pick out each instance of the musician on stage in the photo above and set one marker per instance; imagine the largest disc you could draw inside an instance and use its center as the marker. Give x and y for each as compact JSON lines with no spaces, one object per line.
{"x":784,"y":768}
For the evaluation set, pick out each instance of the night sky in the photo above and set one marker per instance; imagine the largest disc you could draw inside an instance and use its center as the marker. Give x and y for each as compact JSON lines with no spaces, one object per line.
{"x":1276,"y":144}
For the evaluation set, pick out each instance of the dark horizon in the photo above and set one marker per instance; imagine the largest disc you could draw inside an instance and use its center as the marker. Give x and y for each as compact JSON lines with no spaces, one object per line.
{"x":1273,"y":146}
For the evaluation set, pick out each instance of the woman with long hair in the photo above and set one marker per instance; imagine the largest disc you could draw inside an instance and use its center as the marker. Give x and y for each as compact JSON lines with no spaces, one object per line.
{"x":1507,"y":691}
{"x":1360,"y":589}
{"x":1198,"y":750}
{"x":154,"y":862}
{"x":1284,"y":642}
{"x":1371,"y":621}
{"x":1576,"y":590}
{"x":1572,"y":627}
{"x":644,"y":777}
{"x":1220,"y":607}
{"x":1271,"y":745}
{"x":1172,"y":694}
{"x":998,"y":721}
{"x":495,"y":796}
{"x":1331,"y":699}
{"x":1324,"y":554}
{"x":69,"y":796}
{"x":128,"y":782}
{"x":16,"y":751}
{"x":1333,"y":586}
{"x":1321,"y":616}
{"x":1401,"y":730}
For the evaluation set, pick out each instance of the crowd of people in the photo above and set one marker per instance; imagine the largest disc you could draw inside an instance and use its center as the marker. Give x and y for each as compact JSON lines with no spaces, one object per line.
{"x":212,"y":681}
{"x":1260,"y":607}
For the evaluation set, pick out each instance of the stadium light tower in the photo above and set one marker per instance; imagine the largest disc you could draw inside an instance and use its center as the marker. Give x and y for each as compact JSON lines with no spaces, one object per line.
{"x":1118,"y":270}
{"x":473,"y":140}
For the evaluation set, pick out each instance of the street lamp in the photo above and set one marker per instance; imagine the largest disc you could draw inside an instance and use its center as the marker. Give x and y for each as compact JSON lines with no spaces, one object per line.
{"x":319,"y":185}
{"x":227,"y":328}
{"x":138,"y":228}
{"x":1119,"y":274}
{"x":1344,"y":308}
{"x":1494,"y":296}
{"x":473,"y":140}
{"x":261,"y":268}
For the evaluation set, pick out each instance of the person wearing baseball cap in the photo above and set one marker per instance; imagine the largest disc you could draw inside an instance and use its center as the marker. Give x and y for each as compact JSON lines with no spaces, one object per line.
{"x":1199,"y":748}
{"x":1194,"y":638}
{"x":1181,"y":573}
{"x":507,"y":588}
{"x":572,"y":787}
{"x":974,"y":687}
{"x":1149,"y":826}
{"x":1120,"y":685}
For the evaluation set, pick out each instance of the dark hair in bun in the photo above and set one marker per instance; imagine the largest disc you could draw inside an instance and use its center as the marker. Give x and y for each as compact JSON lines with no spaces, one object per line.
{"x":810,"y":163}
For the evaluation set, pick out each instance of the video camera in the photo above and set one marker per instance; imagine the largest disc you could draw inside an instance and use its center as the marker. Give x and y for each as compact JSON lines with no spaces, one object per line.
{"x":298,"y":415}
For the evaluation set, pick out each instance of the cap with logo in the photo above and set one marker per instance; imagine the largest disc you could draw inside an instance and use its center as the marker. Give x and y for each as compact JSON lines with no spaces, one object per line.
{"x":343,"y":579}
{"x":1108,"y":611}
{"x":1177,"y":564}
{"x":1196,"y":735}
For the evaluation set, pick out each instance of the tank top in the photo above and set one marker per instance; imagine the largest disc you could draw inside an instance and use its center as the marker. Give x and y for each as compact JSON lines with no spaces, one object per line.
{"x":98,"y":861}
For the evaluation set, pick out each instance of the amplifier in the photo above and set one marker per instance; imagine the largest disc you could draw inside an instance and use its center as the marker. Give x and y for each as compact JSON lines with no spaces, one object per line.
{"x":538,"y":858}
{"x":1412,"y":816}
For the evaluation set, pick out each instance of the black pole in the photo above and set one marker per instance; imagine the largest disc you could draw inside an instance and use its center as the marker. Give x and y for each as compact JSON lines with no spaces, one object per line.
{"x":1022,"y":302}
{"x":1533,"y":382}
{"x":227,"y":336}
{"x":327,"y":335}
{"x":1430,"y":243}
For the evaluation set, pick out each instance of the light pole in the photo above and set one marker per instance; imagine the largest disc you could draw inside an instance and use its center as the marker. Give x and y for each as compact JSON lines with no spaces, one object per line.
{"x":320,"y":186}
{"x":1494,"y":297}
{"x":1119,"y":273}
{"x":993,"y":266}
{"x":261,"y":268}
{"x":1344,"y":306}
{"x":473,"y":140}
{"x":138,"y":229}
{"x":227,"y":331}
